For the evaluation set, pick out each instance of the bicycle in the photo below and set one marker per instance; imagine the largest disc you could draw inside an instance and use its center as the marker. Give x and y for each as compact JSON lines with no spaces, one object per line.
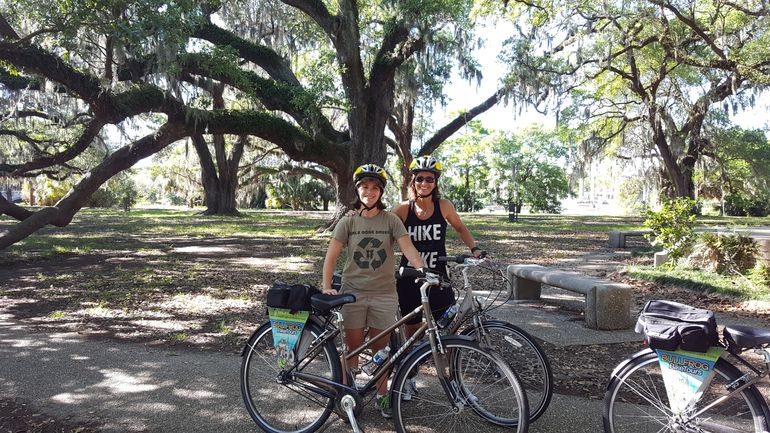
{"x":464,"y":388}
{"x":637,"y":397}
{"x":516,"y":346}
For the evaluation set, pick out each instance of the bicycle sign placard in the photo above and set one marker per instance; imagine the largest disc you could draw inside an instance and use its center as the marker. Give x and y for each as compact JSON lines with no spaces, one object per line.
{"x":287,"y":328}
{"x":687,"y":375}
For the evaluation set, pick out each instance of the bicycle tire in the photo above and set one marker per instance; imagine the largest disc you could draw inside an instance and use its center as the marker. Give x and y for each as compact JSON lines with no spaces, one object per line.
{"x":525,"y":356}
{"x":636,"y":401}
{"x":283,"y":406}
{"x":493,"y":398}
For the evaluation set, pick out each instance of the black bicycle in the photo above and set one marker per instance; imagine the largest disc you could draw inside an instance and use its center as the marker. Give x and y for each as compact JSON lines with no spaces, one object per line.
{"x":463,"y":387}
{"x":675,"y":391}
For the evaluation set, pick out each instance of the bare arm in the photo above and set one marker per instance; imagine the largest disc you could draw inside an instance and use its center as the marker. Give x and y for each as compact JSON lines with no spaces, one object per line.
{"x":332,"y":254}
{"x":411,"y":253}
{"x":401,"y":210}
{"x":453,"y":218}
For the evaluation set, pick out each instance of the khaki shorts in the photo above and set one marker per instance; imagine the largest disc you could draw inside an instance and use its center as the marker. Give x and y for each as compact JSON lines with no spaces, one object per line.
{"x":375,"y":310}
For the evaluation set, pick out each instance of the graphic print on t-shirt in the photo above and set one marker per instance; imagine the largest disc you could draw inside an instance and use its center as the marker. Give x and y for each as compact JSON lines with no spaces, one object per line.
{"x":368,"y":255}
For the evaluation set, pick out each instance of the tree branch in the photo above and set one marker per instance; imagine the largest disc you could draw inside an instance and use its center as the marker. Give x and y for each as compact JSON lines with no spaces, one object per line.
{"x":40,"y":62}
{"x":458,"y":122}
{"x":275,"y":66}
{"x":61,"y":214}
{"x":6,"y":31}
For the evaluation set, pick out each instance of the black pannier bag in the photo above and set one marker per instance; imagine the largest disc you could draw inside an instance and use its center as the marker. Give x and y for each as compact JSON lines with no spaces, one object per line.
{"x":669,"y":325}
{"x":293,"y":297}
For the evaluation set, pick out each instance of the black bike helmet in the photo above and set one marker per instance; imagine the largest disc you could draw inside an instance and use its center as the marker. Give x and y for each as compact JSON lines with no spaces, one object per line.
{"x":372,"y":171}
{"x":425,"y":163}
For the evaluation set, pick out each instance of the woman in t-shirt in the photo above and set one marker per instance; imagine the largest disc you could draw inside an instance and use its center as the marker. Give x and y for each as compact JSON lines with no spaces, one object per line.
{"x":370,"y":235}
{"x":425,"y":216}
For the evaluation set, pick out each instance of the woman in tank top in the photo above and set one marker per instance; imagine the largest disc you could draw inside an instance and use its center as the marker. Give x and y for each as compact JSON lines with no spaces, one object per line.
{"x":425,"y":216}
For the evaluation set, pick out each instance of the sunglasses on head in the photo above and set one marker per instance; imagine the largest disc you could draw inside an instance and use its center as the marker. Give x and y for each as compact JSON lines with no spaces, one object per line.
{"x":428,"y":179}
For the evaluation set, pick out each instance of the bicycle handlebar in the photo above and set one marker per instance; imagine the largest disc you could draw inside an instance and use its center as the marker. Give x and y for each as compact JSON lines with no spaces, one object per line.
{"x":404,"y":272}
{"x":463,"y":259}
{"x":460,"y":258}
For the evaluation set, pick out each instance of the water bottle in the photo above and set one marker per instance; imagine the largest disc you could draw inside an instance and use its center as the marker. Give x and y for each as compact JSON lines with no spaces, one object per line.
{"x":449,"y":314}
{"x":376,"y":361}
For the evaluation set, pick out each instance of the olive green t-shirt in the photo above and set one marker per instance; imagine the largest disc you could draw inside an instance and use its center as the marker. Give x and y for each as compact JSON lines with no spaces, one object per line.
{"x":371,"y":260}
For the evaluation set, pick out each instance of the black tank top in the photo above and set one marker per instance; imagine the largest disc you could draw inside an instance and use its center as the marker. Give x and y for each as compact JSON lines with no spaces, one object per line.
{"x":428,"y":236}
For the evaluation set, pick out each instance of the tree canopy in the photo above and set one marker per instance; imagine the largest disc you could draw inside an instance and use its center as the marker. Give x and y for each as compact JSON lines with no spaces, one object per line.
{"x":616,"y":71}
{"x":317,"y":79}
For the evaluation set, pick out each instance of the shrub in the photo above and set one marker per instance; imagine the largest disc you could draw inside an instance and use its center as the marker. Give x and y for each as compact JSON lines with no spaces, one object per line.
{"x":741,"y":205}
{"x":725,"y":253}
{"x":102,"y":198}
{"x":762,"y":273}
{"x":671,"y":226}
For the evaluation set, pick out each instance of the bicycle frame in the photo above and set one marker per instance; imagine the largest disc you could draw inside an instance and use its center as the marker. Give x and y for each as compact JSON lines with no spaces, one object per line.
{"x":740,"y":384}
{"x":335,"y":389}
{"x":470,"y":306}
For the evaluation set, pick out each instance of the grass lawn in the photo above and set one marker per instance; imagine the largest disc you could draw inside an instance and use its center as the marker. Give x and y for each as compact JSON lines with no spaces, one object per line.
{"x":175,"y":277}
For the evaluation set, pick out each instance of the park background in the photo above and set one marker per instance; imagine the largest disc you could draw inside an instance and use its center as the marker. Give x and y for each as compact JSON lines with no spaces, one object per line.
{"x":238,"y":122}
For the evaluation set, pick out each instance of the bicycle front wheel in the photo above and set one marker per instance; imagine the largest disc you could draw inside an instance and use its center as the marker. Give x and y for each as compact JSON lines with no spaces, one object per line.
{"x":487,"y":394}
{"x":636,"y":401}
{"x":524,"y":355}
{"x":279,"y":403}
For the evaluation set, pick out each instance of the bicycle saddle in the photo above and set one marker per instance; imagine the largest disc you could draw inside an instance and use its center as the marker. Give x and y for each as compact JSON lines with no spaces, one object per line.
{"x":746,"y":337}
{"x":322,"y":304}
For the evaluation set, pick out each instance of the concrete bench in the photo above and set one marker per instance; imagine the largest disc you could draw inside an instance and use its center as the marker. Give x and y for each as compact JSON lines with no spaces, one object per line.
{"x":618,"y":238}
{"x":607,"y":304}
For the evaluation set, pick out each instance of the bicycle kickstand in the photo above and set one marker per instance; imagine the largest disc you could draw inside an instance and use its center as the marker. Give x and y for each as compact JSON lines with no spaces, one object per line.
{"x":348,"y":404}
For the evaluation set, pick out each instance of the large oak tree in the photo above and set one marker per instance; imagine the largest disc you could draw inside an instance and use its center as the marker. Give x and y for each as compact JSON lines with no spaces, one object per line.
{"x":70,"y":71}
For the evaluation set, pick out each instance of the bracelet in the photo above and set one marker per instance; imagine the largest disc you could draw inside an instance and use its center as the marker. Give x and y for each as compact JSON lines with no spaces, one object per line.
{"x":474,"y":249}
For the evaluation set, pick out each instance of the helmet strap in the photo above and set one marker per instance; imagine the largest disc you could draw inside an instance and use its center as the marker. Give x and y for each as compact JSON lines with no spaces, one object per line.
{"x":366,"y":208}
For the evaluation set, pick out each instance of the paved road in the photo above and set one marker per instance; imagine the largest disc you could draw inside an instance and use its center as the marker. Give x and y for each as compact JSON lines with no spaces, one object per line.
{"x":134,"y":388}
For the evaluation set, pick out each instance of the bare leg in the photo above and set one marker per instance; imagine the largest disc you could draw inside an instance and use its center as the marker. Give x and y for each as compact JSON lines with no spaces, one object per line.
{"x":411,"y":328}
{"x":354,"y":338}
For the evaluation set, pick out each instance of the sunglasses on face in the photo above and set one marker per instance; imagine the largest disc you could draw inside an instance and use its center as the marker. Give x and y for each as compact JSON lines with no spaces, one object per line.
{"x":425,"y":179}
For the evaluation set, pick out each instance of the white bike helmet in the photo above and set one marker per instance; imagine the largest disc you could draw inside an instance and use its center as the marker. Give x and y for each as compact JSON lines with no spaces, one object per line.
{"x":425,"y":163}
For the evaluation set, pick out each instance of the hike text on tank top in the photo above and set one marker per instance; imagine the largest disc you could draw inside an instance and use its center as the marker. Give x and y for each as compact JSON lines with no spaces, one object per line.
{"x":428,"y":236}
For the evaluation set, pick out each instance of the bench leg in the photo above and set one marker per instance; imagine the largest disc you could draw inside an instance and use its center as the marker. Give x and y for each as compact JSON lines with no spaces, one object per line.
{"x":617,"y":240}
{"x":525,"y":289}
{"x":608,"y":307}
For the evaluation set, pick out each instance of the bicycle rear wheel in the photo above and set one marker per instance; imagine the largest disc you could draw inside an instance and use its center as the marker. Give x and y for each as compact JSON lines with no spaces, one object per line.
{"x":524,"y":355}
{"x":283,"y":404}
{"x":636,"y":401}
{"x":489,"y":395}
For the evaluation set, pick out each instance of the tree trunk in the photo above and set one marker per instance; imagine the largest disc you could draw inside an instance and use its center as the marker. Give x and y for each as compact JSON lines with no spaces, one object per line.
{"x":220,"y":177}
{"x":346,"y":197}
{"x":681,"y":179}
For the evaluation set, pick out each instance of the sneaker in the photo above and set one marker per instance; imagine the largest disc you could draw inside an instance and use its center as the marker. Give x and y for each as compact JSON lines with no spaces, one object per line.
{"x":410,"y":390}
{"x":383,"y":404}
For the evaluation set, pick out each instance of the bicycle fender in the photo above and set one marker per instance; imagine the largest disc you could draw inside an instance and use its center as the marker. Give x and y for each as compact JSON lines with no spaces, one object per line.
{"x":259,"y":328}
{"x":624,"y":365}
{"x":469,"y":329}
